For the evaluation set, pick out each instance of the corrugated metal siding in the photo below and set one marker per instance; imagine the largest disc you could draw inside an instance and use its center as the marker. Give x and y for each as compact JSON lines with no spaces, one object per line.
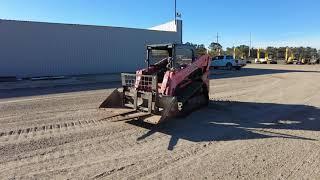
{"x":29,"y":49}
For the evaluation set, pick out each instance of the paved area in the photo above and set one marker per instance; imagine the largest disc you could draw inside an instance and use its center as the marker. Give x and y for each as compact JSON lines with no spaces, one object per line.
{"x":263,"y":122}
{"x":63,"y":81}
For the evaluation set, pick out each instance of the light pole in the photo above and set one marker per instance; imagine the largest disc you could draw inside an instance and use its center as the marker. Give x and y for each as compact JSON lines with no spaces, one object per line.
{"x":250,"y":46}
{"x":219,"y":50}
{"x":175,"y":11}
{"x":217,"y":37}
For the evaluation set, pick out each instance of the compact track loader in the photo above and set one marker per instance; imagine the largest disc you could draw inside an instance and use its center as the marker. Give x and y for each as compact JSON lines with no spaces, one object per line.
{"x":174,"y":83}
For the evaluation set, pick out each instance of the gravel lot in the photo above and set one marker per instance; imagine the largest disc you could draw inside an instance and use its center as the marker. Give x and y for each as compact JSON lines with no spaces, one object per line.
{"x":263,"y":123}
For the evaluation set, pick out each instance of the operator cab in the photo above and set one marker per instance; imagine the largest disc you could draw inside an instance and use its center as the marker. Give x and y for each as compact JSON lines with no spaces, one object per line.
{"x":165,"y":57}
{"x":174,"y":55}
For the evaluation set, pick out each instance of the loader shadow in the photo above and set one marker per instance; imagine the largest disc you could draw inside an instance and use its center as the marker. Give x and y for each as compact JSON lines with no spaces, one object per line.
{"x":220,"y":74}
{"x":228,"y":121}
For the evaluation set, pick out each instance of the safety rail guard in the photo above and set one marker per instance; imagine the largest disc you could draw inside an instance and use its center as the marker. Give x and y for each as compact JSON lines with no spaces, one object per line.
{"x":140,"y":82}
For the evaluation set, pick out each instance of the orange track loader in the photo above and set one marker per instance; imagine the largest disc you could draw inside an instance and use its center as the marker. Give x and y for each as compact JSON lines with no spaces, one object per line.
{"x":174,"y":83}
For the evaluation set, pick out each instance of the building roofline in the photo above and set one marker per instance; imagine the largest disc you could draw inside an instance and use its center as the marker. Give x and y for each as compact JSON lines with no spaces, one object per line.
{"x":71,"y":24}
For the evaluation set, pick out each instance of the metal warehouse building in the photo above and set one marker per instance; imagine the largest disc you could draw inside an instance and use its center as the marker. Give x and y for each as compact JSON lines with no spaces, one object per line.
{"x":33,"y":49}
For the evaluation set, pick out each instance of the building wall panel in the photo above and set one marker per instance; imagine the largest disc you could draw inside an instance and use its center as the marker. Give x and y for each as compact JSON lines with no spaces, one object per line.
{"x":30,"y":49}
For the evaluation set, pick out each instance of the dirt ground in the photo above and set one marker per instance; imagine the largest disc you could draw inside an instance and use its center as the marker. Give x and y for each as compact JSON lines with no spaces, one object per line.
{"x":263,"y":122}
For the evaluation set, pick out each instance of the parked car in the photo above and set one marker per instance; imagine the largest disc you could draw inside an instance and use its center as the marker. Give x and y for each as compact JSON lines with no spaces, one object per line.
{"x":260,"y":61}
{"x":265,"y":61}
{"x":314,"y":61}
{"x":227,"y":62}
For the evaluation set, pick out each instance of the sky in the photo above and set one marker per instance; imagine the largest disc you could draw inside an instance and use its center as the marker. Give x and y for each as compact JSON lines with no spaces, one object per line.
{"x":271,"y":22}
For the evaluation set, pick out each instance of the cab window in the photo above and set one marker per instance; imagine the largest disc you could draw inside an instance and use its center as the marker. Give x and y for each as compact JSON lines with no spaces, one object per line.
{"x":184,"y":56}
{"x":215,"y":58}
{"x":221,"y":57}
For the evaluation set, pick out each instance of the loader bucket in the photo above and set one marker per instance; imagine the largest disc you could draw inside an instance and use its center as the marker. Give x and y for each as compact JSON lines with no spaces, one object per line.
{"x":114,"y":100}
{"x":169,"y":111}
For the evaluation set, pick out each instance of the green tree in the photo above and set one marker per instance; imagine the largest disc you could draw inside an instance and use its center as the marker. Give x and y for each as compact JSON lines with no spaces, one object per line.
{"x":228,"y":51}
{"x":200,"y":49}
{"x":272,"y":52}
{"x":215,"y":49}
{"x":241,"y":51}
{"x":281,"y":53}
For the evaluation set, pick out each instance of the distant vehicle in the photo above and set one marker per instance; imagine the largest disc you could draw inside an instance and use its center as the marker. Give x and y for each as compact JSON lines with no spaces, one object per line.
{"x":303,"y":61}
{"x":227,"y":62}
{"x":260,"y":61}
{"x":264,"y":58}
{"x":291,"y":60}
{"x":271,"y":61}
{"x":314,"y":61}
{"x":265,"y":61}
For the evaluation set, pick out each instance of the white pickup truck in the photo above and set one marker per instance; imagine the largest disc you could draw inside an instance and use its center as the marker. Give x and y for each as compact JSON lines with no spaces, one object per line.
{"x":227,"y":62}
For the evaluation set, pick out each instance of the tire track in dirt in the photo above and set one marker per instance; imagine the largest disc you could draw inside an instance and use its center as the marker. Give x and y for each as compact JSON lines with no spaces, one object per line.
{"x":184,"y":152}
{"x":314,"y":170}
{"x":44,"y":115}
{"x":45,"y":156}
{"x":181,"y":154}
{"x":111,"y":127}
{"x":208,"y":148}
{"x":299,"y":166}
{"x":115,"y":144}
{"x":124,"y":140}
{"x":48,"y":105}
{"x":108,"y":128}
{"x":71,"y":125}
{"x":154,"y":145}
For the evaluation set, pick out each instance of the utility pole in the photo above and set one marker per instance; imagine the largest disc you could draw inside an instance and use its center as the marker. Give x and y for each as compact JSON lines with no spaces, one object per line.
{"x":250,"y":46}
{"x":175,"y":11}
{"x":176,"y":16}
{"x":217,"y":37}
{"x":234,"y":52}
{"x":219,"y":50}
